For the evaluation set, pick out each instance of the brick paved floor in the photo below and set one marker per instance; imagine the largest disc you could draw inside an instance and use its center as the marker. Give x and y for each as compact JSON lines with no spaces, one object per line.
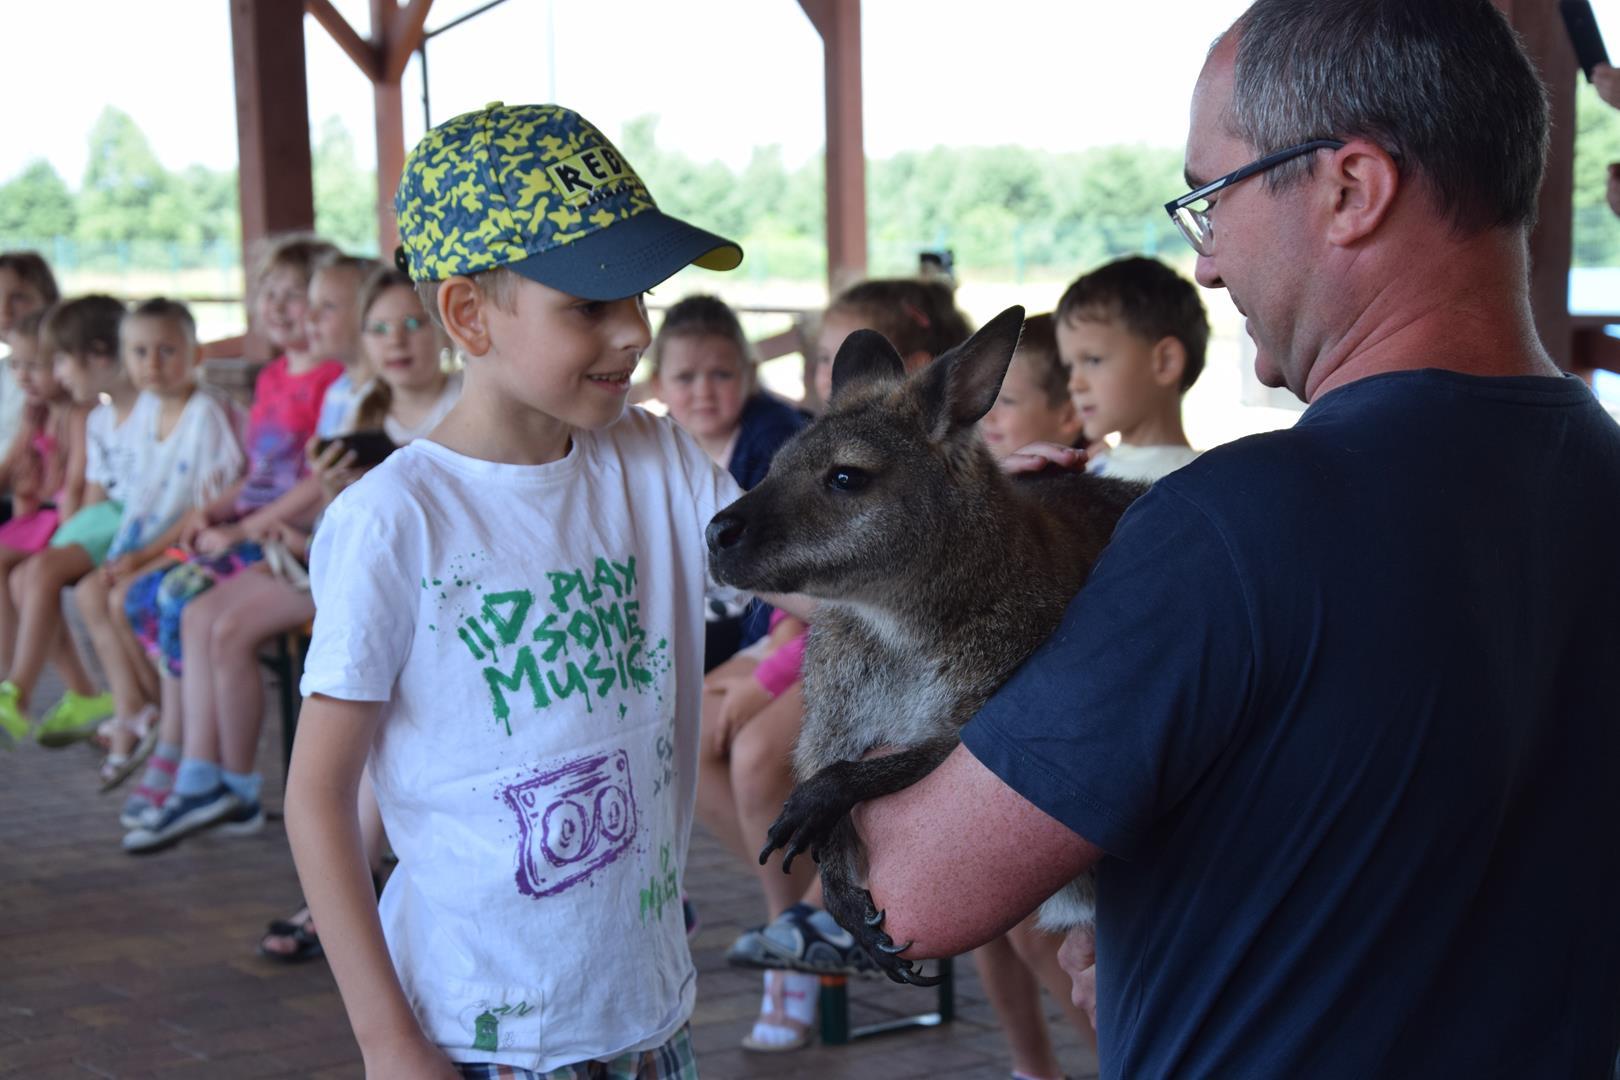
{"x":115,"y":966}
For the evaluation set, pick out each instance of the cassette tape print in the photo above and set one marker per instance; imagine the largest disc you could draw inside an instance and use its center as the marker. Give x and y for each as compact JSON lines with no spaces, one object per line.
{"x":572,"y":821}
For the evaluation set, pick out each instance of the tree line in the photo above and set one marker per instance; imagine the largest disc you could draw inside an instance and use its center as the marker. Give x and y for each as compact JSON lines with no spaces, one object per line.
{"x":1003,"y":210}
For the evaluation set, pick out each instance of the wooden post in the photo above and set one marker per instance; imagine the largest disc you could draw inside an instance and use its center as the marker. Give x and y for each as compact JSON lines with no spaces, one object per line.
{"x":839,"y":24}
{"x":274,"y":182}
{"x":1552,"y":242}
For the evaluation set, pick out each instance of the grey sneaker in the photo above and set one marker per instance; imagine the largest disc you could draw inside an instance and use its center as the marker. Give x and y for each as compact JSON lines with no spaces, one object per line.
{"x":802,"y":938}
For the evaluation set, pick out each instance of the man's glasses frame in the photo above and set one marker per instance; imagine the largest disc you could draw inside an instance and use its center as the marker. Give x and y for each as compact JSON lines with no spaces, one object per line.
{"x":1195,"y":225}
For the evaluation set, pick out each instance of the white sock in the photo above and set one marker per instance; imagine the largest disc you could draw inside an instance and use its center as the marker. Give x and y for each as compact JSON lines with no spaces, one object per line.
{"x":798,"y":991}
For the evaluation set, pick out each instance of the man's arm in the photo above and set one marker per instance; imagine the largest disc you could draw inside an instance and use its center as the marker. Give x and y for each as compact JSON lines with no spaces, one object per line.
{"x":959,"y":858}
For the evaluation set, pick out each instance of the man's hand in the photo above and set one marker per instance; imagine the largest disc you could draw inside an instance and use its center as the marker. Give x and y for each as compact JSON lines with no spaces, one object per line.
{"x":1037,"y":456}
{"x":1078,"y":957}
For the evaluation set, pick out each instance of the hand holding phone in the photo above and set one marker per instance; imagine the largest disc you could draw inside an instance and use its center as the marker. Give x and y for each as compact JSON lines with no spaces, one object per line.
{"x":369,"y":447}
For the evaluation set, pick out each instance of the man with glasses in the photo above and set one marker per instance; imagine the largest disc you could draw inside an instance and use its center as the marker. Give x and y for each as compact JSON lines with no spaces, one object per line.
{"x":1337,"y":715}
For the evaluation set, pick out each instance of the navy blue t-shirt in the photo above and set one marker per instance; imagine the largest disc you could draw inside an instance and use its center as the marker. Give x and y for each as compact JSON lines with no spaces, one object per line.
{"x":1342,"y":704}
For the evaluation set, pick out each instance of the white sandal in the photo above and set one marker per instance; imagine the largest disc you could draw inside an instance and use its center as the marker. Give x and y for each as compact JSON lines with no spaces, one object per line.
{"x":775,"y":1012}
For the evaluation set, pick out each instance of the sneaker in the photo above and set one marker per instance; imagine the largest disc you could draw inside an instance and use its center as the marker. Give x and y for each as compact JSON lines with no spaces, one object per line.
{"x":73,"y":718}
{"x":245,"y":820}
{"x":14,"y":723}
{"x":181,"y":816}
{"x":802,"y":938}
{"x":143,"y":806}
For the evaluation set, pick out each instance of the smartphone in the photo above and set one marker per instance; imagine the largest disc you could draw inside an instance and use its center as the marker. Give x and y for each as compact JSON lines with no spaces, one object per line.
{"x":1583,"y":31}
{"x":369,"y":447}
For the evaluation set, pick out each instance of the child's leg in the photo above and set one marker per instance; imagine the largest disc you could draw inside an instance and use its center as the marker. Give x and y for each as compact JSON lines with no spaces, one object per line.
{"x":1039,"y":952}
{"x":1015,"y":996}
{"x":761,"y":779}
{"x":37,"y":591}
{"x":716,"y":802}
{"x":251,"y":607}
{"x":91,"y":597}
{"x":10,"y":559}
{"x":199,"y":727}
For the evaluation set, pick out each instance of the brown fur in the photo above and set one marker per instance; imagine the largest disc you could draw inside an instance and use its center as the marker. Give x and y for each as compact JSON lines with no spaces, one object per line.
{"x":937,"y":575}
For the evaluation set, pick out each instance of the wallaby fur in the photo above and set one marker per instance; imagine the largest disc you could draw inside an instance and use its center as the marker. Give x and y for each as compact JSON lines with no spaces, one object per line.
{"x":936,"y":572}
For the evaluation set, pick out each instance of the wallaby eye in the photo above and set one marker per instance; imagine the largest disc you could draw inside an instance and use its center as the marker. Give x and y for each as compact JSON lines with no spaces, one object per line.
{"x":845,"y":478}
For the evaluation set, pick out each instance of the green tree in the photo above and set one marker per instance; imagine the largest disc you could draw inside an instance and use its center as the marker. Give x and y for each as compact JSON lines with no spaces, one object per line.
{"x":1597,"y":143}
{"x":345,"y":193}
{"x":36,"y":204}
{"x":127,"y":194}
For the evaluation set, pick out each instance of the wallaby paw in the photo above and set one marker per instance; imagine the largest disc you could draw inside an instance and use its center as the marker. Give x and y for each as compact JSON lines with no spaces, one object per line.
{"x":805,"y":824}
{"x":884,"y":951}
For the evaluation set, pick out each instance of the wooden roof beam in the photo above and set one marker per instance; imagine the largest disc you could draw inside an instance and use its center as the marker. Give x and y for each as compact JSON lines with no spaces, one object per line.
{"x":365,"y":55}
{"x":405,"y":31}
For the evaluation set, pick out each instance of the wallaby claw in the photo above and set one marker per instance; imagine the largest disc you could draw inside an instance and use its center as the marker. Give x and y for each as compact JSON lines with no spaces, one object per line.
{"x":895,"y":950}
{"x":876,"y":918}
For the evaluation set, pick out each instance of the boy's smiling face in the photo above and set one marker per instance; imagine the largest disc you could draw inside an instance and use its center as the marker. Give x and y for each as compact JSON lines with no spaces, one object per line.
{"x":568,"y":358}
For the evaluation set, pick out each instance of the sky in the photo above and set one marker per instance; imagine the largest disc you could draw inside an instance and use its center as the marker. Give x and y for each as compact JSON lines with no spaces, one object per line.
{"x":724,"y":76}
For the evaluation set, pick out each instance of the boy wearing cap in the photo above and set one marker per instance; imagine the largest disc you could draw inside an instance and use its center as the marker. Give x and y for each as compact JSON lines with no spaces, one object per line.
{"x":509,"y":629}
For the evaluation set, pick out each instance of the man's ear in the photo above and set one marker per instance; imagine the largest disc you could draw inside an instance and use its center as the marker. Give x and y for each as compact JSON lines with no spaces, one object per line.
{"x":1364,"y":181}
{"x":865,"y":357}
{"x":463,"y":309}
{"x":959,"y":388}
{"x":1169,"y":361}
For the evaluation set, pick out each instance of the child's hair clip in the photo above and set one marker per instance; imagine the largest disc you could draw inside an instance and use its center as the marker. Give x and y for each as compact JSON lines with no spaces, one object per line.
{"x":916,"y":313}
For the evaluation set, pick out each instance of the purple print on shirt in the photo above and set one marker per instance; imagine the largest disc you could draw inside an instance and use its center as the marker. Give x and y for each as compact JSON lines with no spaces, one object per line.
{"x":572,"y":821}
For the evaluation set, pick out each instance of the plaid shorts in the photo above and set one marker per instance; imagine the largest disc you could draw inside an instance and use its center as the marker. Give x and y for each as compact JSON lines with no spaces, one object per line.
{"x":672,"y":1061}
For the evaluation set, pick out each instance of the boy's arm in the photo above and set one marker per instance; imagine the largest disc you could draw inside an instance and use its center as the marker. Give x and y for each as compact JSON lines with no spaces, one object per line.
{"x":222,"y":508}
{"x":334,"y":738}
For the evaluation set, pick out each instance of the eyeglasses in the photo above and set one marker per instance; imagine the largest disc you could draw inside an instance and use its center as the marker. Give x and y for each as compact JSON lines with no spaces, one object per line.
{"x":1195,"y":224}
{"x":410,"y":323}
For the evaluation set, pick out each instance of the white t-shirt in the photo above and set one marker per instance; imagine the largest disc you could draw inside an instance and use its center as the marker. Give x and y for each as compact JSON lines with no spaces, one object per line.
{"x":535,"y":635}
{"x":12,"y":400}
{"x":338,"y":405}
{"x":111,"y":456}
{"x":1142,"y":463}
{"x":441,"y":408}
{"x":196,"y":463}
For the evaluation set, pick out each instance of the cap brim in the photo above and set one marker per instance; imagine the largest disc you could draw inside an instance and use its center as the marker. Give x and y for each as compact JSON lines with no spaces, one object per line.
{"x":628,"y":257}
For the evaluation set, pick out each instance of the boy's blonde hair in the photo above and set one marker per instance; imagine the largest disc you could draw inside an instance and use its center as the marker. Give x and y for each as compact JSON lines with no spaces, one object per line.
{"x":302,"y":253}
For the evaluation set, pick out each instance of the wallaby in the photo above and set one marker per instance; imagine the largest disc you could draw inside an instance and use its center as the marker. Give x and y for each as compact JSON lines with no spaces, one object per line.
{"x":937,"y":574}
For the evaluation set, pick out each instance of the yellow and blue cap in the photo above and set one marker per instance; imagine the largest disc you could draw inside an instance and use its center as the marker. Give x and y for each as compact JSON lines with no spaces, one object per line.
{"x":540,"y":190}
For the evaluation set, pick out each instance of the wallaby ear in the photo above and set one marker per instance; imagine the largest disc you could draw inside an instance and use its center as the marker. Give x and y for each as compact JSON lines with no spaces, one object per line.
{"x":865,"y":356}
{"x":960,"y":386}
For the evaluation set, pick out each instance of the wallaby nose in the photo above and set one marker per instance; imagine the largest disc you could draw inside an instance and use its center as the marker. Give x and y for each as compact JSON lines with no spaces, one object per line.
{"x":725,"y":531}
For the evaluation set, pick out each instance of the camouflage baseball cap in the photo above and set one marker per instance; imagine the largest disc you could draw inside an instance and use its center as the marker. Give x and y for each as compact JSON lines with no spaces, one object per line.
{"x":539,"y":190}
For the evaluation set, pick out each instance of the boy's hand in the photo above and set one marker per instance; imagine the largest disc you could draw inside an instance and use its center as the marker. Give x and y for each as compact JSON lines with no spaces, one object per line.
{"x":1037,"y":456}
{"x":116,"y":570}
{"x":192,"y":526}
{"x":217,"y":538}
{"x":416,"y":1059}
{"x":741,"y":699}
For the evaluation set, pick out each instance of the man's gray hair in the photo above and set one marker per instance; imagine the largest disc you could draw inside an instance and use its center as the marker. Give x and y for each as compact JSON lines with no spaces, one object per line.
{"x":1443,"y":86}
